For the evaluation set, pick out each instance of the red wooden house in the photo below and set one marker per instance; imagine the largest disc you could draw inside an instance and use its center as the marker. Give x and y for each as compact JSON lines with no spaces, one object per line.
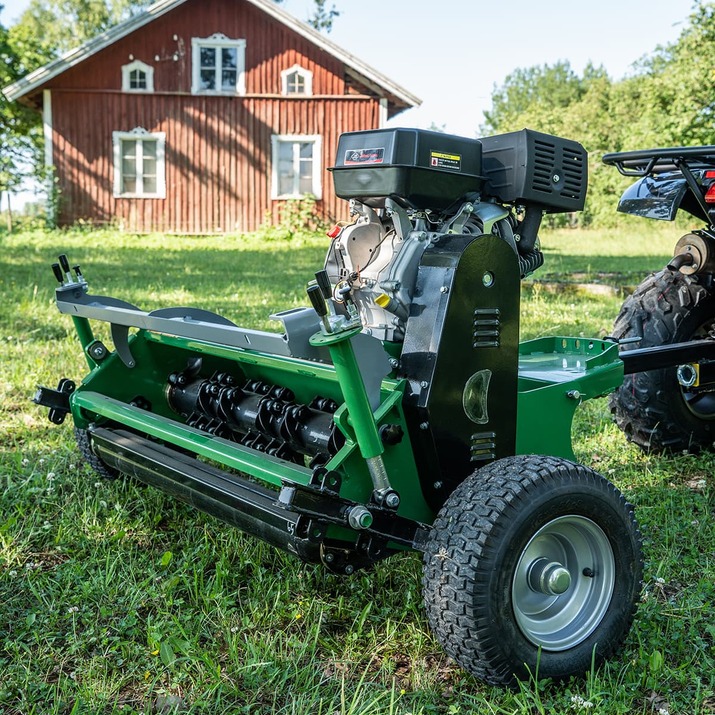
{"x":200,"y":116}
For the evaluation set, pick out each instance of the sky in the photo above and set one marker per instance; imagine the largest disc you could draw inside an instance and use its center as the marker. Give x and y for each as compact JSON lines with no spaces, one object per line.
{"x":452,"y":53}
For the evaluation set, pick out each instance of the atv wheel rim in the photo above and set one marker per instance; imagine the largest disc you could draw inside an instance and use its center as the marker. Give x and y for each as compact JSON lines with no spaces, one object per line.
{"x":563,"y":583}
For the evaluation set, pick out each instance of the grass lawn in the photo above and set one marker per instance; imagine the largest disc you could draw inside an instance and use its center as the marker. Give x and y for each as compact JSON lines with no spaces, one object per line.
{"x":116,"y":599}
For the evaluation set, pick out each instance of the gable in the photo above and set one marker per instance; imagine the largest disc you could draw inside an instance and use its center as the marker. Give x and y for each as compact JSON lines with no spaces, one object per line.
{"x":274,"y":40}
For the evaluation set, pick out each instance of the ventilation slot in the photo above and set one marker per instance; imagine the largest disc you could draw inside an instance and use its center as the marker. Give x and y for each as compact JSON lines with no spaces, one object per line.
{"x":483,"y":447}
{"x":486,"y":328}
{"x":544,"y":162}
{"x":573,"y":170}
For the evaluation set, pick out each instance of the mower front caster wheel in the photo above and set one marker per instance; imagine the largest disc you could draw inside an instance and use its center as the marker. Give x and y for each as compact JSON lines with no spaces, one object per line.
{"x":533,"y":567}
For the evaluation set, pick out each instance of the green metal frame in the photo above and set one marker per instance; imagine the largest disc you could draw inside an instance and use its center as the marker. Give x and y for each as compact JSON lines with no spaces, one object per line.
{"x":106,"y":394}
{"x":556,"y":374}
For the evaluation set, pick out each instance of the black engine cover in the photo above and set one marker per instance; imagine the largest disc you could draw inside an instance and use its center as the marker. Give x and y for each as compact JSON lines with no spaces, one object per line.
{"x":461,"y":355}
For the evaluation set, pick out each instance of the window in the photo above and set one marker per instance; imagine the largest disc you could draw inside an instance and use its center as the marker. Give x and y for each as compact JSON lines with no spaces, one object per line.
{"x":218,"y":65}
{"x":139,"y":166}
{"x":137,"y":77}
{"x":297,"y":81}
{"x":296,"y":166}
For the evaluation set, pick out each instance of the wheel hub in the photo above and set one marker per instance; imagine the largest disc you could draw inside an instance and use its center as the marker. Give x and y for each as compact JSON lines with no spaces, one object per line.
{"x":563,"y":582}
{"x":548,"y":577}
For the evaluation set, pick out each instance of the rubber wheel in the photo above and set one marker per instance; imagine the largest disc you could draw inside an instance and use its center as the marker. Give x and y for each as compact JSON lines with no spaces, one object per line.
{"x":533,"y":567}
{"x":85,"y":449}
{"x":651,"y":408}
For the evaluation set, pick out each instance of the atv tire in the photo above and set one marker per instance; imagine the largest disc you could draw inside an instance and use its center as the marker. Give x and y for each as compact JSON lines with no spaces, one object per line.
{"x":532,"y":569}
{"x":651,"y":408}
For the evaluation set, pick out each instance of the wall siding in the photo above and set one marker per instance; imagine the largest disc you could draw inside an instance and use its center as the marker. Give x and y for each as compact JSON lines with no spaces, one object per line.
{"x":218,"y":162}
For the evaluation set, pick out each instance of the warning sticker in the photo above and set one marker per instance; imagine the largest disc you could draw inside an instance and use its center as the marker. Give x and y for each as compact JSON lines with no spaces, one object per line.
{"x":364,"y":156}
{"x":439,"y":160}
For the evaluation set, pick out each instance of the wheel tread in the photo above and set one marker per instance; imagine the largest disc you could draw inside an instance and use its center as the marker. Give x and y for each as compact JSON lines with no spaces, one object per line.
{"x":478,"y":509}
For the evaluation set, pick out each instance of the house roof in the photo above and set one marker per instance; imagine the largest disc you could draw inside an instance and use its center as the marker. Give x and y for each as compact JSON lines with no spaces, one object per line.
{"x":355,"y":67}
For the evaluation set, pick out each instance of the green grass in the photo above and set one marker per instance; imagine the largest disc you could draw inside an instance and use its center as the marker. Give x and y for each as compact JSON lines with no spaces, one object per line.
{"x":116,"y":599}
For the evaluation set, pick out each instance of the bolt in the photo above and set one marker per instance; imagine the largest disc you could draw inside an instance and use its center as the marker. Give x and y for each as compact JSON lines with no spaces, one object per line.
{"x":424,"y":384}
{"x":556,"y":178}
{"x":394,"y":363}
{"x":359,"y":518}
{"x":349,"y":569}
{"x":573,"y":395}
{"x":588,"y":573}
{"x":392,"y":500}
{"x":424,"y":425}
{"x":444,"y":289}
{"x":437,"y":485}
{"x":329,"y":558}
{"x":687,"y":375}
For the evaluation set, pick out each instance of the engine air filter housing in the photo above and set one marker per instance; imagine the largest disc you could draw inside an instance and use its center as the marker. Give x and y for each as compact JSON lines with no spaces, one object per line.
{"x":536,"y":169}
{"x":417,"y":168}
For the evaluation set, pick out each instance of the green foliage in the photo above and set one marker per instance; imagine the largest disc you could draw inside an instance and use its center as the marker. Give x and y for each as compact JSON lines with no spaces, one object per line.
{"x":298,"y":218}
{"x":668,"y":101}
{"x":323,"y":17}
{"x":45,"y":30}
{"x":20,"y":129}
{"x":48,"y":28}
{"x":115,"y":598}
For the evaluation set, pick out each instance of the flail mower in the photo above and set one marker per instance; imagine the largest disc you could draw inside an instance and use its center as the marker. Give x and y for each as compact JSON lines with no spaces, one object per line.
{"x":399,"y":411}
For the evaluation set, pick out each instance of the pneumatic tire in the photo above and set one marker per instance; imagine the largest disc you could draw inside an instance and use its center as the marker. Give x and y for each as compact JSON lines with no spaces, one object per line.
{"x":533,"y":567}
{"x":85,"y":449}
{"x":651,"y":408}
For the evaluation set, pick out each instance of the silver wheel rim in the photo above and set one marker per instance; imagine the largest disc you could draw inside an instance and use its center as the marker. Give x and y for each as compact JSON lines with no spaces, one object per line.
{"x":563,"y":583}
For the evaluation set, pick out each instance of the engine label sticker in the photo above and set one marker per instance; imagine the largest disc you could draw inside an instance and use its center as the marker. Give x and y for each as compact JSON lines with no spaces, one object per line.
{"x":364,"y":156}
{"x":439,"y":160}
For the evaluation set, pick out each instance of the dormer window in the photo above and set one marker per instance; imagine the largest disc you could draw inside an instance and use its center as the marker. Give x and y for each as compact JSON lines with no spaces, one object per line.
{"x":218,"y":65}
{"x":297,"y":81}
{"x":137,"y":76}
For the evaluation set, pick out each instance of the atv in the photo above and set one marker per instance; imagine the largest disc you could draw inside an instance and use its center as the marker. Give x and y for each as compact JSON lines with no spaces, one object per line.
{"x":670,"y":407}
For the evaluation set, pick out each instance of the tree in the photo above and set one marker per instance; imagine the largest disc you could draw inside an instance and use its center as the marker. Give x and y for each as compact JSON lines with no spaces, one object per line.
{"x":20,"y":132}
{"x":534,"y":91}
{"x":48,"y":28}
{"x":322,"y":17}
{"x":668,"y":101}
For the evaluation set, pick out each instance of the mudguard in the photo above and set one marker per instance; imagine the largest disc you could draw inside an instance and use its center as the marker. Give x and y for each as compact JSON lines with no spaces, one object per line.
{"x":658,"y":197}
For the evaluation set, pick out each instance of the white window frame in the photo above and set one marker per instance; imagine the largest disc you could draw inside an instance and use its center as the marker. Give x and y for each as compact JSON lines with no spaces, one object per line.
{"x":218,"y":41}
{"x":126,"y":76}
{"x":307,"y":77}
{"x":138,"y":135}
{"x":317,"y":187}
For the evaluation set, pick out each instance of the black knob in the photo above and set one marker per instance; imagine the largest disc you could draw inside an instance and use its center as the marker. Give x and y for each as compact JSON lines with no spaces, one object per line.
{"x":64,"y":263}
{"x":323,"y":281}
{"x":316,"y":298}
{"x":58,"y":272}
